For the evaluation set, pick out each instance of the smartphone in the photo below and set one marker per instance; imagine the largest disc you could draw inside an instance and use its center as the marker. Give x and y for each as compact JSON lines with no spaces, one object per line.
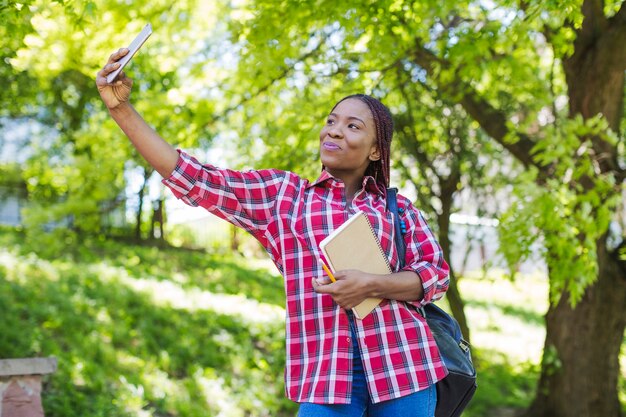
{"x":133,"y":48}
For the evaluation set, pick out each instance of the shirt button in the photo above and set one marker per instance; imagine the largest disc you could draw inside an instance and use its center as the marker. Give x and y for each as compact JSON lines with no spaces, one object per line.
{"x":348,"y":340}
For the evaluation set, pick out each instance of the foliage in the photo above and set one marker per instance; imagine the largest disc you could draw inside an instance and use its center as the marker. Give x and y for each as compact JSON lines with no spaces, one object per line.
{"x":18,"y":86}
{"x":10,"y":176}
{"x":78,"y":163}
{"x":275,"y":70}
{"x":259,"y":77}
{"x":502,"y":63}
{"x":568,"y":219}
{"x":259,"y":54}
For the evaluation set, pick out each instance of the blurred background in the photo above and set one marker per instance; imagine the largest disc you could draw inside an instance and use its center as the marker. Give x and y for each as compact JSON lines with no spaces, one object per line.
{"x":509,"y":136}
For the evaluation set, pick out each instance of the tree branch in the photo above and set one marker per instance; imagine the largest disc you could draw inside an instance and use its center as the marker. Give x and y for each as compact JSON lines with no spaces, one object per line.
{"x":595,"y":76}
{"x":490,"y":119}
{"x":286,"y":70}
{"x":616,"y":36}
{"x":424,"y":161}
{"x":594,"y":20}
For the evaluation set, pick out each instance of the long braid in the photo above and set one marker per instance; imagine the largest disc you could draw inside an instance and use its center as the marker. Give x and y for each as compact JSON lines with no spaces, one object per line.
{"x":384,"y":132}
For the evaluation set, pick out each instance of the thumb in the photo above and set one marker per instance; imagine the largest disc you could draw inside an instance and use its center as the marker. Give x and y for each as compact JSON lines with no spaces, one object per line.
{"x":319,"y":285}
{"x":323,"y":280}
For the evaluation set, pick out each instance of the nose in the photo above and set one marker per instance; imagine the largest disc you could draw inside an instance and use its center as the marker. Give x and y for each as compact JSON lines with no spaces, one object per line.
{"x":335,"y":131}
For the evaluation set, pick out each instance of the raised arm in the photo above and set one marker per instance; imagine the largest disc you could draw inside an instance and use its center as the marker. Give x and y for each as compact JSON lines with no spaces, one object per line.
{"x":154,"y":149}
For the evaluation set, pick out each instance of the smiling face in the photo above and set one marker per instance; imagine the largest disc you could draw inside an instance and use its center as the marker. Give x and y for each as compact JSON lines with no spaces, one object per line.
{"x":348,"y":140}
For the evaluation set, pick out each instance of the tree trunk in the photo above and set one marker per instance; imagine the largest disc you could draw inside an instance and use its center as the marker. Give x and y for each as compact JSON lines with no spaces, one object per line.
{"x":142,"y":191}
{"x":162,"y":218}
{"x":579,"y":376}
{"x":157,"y":220}
{"x":580,"y":367}
{"x":234,"y":239}
{"x":457,"y":305}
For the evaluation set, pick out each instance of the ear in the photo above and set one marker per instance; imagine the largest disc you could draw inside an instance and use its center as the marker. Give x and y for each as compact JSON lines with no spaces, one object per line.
{"x":374,"y":154}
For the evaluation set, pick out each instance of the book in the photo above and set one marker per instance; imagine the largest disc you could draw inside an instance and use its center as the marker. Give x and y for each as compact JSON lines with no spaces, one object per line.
{"x":354,"y":245}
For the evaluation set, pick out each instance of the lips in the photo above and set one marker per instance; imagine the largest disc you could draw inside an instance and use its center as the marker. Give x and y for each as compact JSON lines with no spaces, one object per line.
{"x":331,"y":146}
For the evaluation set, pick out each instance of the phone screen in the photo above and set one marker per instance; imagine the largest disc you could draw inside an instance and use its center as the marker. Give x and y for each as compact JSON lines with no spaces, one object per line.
{"x":133,"y":48}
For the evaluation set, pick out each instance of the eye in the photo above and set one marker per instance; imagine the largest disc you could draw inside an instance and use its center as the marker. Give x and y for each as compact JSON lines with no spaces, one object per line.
{"x":353,"y":126}
{"x":330,"y":121}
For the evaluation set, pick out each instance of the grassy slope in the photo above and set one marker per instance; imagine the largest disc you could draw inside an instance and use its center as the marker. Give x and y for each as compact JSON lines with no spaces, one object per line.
{"x":168,"y":332}
{"x":144,"y":331}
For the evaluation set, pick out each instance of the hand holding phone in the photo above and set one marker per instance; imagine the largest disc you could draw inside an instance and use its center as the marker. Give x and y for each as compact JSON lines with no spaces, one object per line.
{"x":132,"y":50}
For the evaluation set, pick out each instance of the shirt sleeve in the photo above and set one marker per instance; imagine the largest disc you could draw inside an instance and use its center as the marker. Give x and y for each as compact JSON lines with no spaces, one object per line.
{"x":243,"y":198}
{"x":424,"y":256}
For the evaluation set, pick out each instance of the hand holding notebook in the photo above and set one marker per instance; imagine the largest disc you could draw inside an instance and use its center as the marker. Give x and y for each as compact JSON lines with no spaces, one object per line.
{"x":353,"y":245}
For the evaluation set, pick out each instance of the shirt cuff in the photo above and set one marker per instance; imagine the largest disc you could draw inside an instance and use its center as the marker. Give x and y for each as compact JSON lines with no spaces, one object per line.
{"x":183,"y":178}
{"x":433,"y":285}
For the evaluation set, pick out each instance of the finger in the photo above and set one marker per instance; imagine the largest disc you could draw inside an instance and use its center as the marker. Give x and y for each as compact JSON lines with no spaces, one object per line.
{"x":323,"y":280}
{"x":101,"y":77}
{"x":321,"y":289}
{"x":116,"y":56}
{"x":109,"y":68}
{"x":340,"y":275}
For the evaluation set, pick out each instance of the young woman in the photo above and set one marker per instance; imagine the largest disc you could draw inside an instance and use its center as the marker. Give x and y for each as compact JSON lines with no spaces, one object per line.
{"x":383,"y":365}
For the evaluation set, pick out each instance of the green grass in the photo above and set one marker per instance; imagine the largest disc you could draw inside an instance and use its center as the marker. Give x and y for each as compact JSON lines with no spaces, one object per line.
{"x":145,"y":331}
{"x":507,"y":334}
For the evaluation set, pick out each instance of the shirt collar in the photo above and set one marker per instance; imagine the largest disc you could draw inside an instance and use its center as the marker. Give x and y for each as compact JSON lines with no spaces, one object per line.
{"x":369,"y":183}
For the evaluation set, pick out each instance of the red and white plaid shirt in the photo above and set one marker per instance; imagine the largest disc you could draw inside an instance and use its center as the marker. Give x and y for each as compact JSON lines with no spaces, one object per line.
{"x":290,"y":216}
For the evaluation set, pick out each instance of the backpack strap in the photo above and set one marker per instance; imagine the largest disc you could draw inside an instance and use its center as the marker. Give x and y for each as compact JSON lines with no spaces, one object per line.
{"x":400,"y":230}
{"x":399,"y":225}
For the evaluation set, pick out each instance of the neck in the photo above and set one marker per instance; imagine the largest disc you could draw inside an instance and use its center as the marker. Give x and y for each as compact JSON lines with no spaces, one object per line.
{"x":350,"y":191}
{"x":351,"y":187}
{"x":353,"y":181}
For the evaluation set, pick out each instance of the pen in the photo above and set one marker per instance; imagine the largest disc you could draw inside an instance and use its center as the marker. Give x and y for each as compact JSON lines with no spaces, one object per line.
{"x":327,"y":270}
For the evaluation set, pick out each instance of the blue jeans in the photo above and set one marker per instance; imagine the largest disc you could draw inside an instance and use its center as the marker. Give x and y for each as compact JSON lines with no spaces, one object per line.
{"x":418,"y":404}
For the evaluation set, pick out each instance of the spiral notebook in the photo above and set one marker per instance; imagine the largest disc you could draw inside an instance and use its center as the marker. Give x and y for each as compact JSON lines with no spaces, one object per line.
{"x":354,"y":245}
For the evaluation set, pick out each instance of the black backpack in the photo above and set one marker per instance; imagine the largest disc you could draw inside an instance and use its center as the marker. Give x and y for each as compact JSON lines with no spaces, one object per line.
{"x":456,"y":390}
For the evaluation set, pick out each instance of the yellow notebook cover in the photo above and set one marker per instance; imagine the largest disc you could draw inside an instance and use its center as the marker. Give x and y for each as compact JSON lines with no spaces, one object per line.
{"x":354,"y":245}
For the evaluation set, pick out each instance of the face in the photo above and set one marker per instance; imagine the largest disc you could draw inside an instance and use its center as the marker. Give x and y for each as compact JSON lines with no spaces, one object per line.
{"x":348,"y":140}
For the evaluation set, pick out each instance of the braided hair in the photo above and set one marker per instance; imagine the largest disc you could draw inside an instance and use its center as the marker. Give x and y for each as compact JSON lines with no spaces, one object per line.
{"x":384,"y":132}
